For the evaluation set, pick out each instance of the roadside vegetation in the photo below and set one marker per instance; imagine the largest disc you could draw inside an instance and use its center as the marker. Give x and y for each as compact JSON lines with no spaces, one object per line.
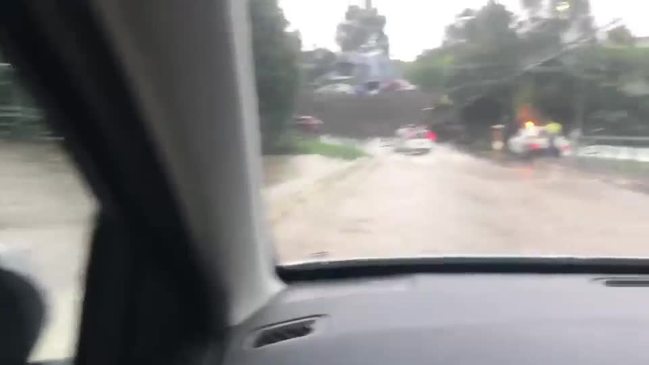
{"x":314,"y":146}
{"x":552,"y":63}
{"x":276,"y":54}
{"x":494,"y":67}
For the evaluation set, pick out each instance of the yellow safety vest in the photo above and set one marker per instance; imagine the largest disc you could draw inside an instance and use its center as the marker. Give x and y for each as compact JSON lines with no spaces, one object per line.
{"x":554,"y":128}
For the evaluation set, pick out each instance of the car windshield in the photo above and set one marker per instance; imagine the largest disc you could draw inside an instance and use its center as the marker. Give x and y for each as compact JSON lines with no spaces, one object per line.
{"x":387,"y":129}
{"x":536,"y":115}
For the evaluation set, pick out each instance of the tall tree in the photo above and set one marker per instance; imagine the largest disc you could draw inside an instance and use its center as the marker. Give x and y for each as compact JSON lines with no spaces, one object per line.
{"x":363,"y":28}
{"x":620,"y":35}
{"x":431,"y":70}
{"x":276,"y":54}
{"x":533,"y":65}
{"x":317,"y":63}
{"x":484,"y":47}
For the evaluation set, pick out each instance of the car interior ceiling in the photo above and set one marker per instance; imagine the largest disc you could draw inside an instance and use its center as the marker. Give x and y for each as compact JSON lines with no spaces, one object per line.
{"x":180,"y":270}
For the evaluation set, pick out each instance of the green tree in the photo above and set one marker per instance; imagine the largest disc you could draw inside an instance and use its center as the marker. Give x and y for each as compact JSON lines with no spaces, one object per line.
{"x":362,"y":27}
{"x":317,"y":63}
{"x":620,"y":35}
{"x":547,"y":60}
{"x":276,"y":54}
{"x":475,"y":66}
{"x":484,"y":47}
{"x":431,"y":70}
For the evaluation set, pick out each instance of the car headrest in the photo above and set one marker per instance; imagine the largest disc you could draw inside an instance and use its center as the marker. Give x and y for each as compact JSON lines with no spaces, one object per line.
{"x":22,"y":312}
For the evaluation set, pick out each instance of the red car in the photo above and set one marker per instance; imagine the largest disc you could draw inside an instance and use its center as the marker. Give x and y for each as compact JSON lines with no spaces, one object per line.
{"x":308,"y":124}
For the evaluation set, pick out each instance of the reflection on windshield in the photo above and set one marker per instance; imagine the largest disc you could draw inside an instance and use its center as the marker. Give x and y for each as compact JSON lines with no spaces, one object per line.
{"x":409,"y":128}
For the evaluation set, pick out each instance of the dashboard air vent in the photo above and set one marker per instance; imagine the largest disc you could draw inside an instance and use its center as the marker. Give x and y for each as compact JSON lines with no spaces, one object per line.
{"x":283,"y":332}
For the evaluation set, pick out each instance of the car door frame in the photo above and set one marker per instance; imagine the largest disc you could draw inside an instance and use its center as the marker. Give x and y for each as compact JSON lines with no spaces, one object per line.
{"x":150,"y":297}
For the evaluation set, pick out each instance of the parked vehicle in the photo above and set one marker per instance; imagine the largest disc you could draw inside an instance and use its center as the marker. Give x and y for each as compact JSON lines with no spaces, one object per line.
{"x":534,"y":141}
{"x":308,"y":124}
{"x":336,"y":89}
{"x":414,"y":139}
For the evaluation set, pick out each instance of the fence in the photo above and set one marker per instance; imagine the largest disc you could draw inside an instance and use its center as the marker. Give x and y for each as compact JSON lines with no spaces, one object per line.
{"x":365,"y":116}
{"x":613,"y":148}
{"x":613,"y":158}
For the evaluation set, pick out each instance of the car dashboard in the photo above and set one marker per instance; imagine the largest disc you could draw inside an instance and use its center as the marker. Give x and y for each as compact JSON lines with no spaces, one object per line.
{"x":522,"y":319}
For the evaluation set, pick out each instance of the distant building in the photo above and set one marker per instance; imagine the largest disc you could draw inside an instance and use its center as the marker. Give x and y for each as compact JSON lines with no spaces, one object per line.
{"x":366,"y":71}
{"x":364,"y":61}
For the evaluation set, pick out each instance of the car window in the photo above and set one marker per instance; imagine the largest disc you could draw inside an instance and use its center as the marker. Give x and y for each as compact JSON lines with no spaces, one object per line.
{"x":46,"y":214}
{"x":538,"y":120}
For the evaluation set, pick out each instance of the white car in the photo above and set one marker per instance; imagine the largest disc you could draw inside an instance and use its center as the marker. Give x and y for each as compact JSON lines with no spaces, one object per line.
{"x":336,"y":89}
{"x":531,"y":141}
{"x":414,"y":139}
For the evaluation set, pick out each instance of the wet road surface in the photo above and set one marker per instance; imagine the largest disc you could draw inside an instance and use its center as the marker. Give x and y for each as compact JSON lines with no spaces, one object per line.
{"x":450,"y":203}
{"x":444,"y":203}
{"x":46,"y":217}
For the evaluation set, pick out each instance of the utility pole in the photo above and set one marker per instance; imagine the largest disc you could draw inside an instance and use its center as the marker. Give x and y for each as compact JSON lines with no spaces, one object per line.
{"x":368,"y":4}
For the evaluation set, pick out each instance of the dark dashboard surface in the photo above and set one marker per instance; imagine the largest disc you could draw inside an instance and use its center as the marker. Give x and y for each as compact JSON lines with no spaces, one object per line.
{"x":455,"y":319}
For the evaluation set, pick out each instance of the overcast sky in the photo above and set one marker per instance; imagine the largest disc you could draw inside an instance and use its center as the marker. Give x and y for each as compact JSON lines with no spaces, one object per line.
{"x":416,"y":25}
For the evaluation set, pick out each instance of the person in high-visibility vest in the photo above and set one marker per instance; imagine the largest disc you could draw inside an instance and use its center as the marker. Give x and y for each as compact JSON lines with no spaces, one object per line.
{"x":554,"y":128}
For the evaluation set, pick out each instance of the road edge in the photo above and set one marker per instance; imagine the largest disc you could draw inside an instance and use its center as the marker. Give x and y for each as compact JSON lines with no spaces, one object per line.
{"x":280,"y":205}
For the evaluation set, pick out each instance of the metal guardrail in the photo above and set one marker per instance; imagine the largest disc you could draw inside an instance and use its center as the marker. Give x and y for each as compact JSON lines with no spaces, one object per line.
{"x":627,"y":148}
{"x":614,"y":138}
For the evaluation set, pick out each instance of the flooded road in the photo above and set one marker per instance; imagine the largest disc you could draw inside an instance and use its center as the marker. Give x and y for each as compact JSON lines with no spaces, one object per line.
{"x":387,"y":205}
{"x":450,"y":203}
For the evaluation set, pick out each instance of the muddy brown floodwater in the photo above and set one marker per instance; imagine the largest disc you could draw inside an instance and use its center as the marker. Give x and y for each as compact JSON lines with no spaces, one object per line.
{"x":444,"y":203}
{"x":450,"y":203}
{"x":46,"y":217}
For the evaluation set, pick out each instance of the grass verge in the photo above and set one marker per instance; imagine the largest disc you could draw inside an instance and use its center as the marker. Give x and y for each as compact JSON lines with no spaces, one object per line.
{"x":314,"y":146}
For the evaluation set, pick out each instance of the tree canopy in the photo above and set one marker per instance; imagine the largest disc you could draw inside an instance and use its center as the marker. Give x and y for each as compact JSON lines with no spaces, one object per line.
{"x":542,"y":59}
{"x":620,"y":35}
{"x":276,"y":54}
{"x":362,"y":28}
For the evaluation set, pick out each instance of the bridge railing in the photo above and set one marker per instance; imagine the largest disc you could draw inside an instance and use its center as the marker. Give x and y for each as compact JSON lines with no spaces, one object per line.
{"x":613,"y":157}
{"x":631,"y":148}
